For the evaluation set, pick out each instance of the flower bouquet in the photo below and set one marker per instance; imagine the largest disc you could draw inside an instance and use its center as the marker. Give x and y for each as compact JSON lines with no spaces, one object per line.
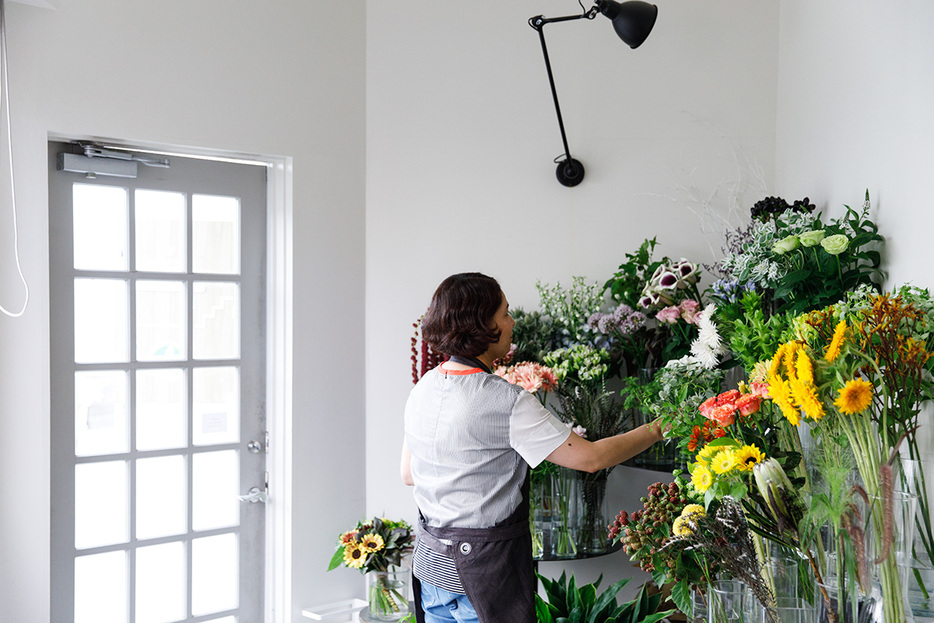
{"x":376,"y":548}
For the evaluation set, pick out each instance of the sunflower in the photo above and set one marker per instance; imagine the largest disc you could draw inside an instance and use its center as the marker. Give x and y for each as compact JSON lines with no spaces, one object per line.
{"x":747,"y":457}
{"x":855,"y":397}
{"x":703,"y":457}
{"x":371,"y":543}
{"x":804,"y":367}
{"x":354,"y":557}
{"x":806,"y":396}
{"x":781,"y":395}
{"x":791,"y":353}
{"x":724,"y":461}
{"x":701,"y":478}
{"x":833,"y":350}
{"x":776,"y":362}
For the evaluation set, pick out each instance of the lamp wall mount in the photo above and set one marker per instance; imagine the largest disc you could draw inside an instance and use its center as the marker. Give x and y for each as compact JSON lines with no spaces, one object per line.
{"x":632,"y":21}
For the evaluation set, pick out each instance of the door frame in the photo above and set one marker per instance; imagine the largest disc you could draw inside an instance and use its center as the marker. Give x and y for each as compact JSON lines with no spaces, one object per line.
{"x":279,"y":339}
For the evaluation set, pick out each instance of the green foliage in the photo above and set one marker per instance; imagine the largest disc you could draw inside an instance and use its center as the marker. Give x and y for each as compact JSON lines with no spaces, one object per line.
{"x":568,"y":603}
{"x":569,"y":309}
{"x":533,"y":335}
{"x":626,"y":284}
{"x":753,"y":335}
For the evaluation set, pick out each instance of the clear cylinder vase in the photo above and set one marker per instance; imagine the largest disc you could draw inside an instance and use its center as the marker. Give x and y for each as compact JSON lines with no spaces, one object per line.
{"x":564,"y":513}
{"x":592,"y":507}
{"x":917,"y":477}
{"x":730,"y":601}
{"x":388,"y":594}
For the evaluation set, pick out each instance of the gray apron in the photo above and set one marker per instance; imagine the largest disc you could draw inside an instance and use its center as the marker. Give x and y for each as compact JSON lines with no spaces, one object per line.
{"x":494,"y":565}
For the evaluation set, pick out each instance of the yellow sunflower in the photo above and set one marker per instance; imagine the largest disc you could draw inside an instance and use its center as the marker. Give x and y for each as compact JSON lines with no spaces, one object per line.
{"x":805,"y":395}
{"x":833,"y":350}
{"x":747,"y":457}
{"x":701,"y":478}
{"x":706,"y":453}
{"x":724,"y":461}
{"x":777,"y":359}
{"x":855,"y":397}
{"x":354,"y":557}
{"x":371,"y":543}
{"x":791,"y":353}
{"x":781,"y":395}
{"x":804,"y":367}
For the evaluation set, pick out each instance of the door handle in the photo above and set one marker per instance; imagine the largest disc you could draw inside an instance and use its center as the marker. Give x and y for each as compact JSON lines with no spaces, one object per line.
{"x":254,"y":496}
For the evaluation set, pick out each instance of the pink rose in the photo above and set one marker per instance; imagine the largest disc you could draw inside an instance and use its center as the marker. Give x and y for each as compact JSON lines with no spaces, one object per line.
{"x":689,"y":309}
{"x":668,"y":315}
{"x":760,"y":389}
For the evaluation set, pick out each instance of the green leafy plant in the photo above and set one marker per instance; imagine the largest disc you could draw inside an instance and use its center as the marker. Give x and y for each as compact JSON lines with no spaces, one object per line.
{"x":627,"y":283}
{"x":568,"y":603}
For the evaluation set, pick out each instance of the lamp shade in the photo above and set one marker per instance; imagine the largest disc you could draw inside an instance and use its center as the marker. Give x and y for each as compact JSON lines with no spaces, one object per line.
{"x":632,"y":21}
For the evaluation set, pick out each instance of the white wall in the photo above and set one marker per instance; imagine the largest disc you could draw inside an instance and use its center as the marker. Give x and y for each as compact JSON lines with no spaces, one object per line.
{"x":281,"y":78}
{"x":855,"y":102}
{"x":461,"y":133}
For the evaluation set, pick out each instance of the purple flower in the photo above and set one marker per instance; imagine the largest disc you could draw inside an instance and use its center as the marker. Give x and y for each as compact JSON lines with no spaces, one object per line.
{"x":668,"y":280}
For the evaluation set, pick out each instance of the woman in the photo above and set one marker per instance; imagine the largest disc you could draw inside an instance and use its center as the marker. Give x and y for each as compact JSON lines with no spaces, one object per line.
{"x":470,"y":438}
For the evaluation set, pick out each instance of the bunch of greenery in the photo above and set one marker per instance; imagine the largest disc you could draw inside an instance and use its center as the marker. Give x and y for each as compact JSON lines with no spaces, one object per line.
{"x":753,"y":334}
{"x":804,"y":263}
{"x":569,"y":309}
{"x":533,"y":335}
{"x":627,"y":283}
{"x":572,"y":604}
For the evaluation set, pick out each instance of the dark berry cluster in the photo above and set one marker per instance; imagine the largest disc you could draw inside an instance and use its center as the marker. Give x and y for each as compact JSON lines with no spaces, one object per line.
{"x":772,"y":207}
{"x":645,"y":531}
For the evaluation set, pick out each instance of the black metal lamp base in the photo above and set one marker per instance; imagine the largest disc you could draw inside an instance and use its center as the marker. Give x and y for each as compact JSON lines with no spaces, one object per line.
{"x":570,"y":172}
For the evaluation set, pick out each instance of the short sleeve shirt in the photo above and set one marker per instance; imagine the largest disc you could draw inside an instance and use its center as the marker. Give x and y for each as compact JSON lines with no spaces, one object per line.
{"x":471,"y":435}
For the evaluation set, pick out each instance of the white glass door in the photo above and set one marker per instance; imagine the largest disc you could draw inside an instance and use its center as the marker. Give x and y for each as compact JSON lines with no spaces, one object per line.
{"x":158,"y":389}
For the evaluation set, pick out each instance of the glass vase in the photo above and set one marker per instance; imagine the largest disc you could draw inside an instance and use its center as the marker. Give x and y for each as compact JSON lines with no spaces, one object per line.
{"x":730,"y":601}
{"x":388,"y":594}
{"x":698,"y":613}
{"x":564,"y":513}
{"x":592,"y":507}
{"x":842,"y":604}
{"x":917,"y":477}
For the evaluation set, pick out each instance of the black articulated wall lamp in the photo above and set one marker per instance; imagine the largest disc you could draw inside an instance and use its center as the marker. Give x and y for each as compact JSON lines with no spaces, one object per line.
{"x":633,"y":21}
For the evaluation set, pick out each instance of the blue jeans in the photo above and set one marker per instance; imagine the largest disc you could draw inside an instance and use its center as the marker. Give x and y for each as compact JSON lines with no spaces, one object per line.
{"x":443,"y":606}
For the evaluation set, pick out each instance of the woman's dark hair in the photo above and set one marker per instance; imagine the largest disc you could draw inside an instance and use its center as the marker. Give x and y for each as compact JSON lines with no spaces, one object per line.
{"x":462,"y":310}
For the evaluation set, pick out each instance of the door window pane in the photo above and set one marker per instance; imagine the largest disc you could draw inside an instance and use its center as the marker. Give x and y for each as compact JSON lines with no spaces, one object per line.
{"x":101,"y":588}
{"x":214,"y":571}
{"x":101,"y":311}
{"x":161,"y":409}
{"x":100,"y":412}
{"x":101,"y":508}
{"x":161,"y":497}
{"x":100,"y":227}
{"x":216,"y":405}
{"x":161,"y":316}
{"x":160,"y":231}
{"x":161,"y":583}
{"x":216,"y":320}
{"x":215,"y":232}
{"x":215,"y":488}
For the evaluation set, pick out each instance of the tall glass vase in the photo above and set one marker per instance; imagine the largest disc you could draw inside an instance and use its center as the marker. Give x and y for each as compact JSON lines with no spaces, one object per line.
{"x":917,"y":477}
{"x":593,"y":537}
{"x":564,"y":513}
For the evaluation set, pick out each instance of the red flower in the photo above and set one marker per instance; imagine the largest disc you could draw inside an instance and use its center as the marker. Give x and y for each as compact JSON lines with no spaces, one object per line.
{"x":696,"y":436}
{"x":724,"y":414}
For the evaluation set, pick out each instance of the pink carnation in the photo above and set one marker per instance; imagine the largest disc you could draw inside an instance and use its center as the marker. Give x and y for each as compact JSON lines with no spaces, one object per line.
{"x":668,"y":315}
{"x":529,"y":375}
{"x":760,"y":389}
{"x":724,"y":414}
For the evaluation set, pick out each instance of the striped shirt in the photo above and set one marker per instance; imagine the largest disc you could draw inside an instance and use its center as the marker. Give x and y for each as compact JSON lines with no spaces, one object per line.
{"x":472,"y":437}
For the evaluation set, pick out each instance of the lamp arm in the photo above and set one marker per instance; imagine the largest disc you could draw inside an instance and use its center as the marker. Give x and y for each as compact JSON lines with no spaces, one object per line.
{"x":570,"y":171}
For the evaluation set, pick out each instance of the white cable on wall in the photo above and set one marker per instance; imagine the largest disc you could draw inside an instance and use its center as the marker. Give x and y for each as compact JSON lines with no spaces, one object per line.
{"x":5,"y":94}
